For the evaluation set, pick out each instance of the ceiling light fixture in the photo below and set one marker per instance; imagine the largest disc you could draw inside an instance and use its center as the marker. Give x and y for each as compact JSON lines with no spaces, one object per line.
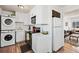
{"x":21,"y":6}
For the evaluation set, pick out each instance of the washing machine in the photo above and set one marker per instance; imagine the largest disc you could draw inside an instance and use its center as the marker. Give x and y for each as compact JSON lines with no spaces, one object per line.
{"x":7,"y":38}
{"x":7,"y":23}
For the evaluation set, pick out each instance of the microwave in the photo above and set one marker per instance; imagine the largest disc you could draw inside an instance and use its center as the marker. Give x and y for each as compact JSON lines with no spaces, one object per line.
{"x":36,"y":30}
{"x":33,"y":20}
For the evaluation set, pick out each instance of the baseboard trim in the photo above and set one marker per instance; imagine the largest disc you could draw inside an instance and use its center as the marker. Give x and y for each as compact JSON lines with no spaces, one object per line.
{"x":20,"y":42}
{"x":7,"y":46}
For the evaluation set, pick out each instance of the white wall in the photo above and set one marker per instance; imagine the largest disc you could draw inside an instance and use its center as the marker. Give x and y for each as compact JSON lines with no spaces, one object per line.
{"x":69,"y":26}
{"x":71,"y":13}
{"x":70,"y":20}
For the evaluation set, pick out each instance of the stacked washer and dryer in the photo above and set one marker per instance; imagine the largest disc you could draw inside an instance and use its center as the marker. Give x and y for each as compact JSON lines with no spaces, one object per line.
{"x":7,"y":31}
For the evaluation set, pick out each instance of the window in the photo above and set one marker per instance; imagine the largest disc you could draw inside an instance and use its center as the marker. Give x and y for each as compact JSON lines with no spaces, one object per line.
{"x":75,"y":24}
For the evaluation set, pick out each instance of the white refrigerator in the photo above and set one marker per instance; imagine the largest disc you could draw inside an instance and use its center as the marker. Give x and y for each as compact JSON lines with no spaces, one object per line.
{"x":57,"y":34}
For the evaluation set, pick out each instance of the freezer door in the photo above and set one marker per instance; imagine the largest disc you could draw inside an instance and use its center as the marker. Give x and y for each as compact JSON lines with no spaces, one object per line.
{"x":58,"y":38}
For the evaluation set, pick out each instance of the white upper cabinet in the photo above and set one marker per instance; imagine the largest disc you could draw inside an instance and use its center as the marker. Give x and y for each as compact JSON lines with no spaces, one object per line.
{"x":19,"y":17}
{"x":22,"y":17}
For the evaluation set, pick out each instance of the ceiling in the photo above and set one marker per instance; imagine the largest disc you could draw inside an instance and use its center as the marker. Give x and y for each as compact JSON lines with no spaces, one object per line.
{"x":71,"y":10}
{"x":68,"y":9}
{"x":26,"y":8}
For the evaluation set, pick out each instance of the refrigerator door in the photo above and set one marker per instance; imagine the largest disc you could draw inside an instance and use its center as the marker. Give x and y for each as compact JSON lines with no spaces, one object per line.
{"x":57,"y":22}
{"x":58,"y":38}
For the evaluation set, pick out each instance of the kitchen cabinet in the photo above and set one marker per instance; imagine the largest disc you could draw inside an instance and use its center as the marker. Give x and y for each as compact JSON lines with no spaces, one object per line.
{"x":19,"y":17}
{"x":37,"y":11}
{"x":20,"y":35}
{"x":40,"y":43}
{"x":22,"y":17}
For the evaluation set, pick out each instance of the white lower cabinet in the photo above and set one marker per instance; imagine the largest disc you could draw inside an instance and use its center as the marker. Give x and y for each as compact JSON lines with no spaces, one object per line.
{"x":20,"y":36}
{"x":34,"y":43}
{"x":40,"y":43}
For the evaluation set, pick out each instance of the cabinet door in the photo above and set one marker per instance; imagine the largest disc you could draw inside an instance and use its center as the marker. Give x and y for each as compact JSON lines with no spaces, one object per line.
{"x":34,"y":43}
{"x":42,"y":44}
{"x":20,"y":36}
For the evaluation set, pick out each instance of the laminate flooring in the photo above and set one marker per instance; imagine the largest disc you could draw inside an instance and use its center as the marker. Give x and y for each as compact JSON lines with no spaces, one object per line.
{"x":13,"y":48}
{"x":68,"y":48}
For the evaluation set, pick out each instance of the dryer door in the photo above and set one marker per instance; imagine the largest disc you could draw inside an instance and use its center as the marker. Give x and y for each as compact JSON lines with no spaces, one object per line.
{"x":8,"y":21}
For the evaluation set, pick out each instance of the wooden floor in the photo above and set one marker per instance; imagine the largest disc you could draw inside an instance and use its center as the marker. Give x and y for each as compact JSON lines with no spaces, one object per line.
{"x":13,"y":48}
{"x":68,"y":48}
{"x":16,"y":49}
